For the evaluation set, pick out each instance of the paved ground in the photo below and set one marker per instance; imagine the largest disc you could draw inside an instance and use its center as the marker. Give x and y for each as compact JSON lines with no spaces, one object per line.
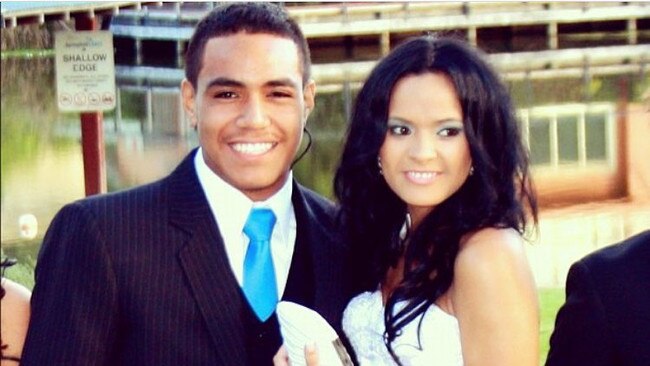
{"x":567,"y":234}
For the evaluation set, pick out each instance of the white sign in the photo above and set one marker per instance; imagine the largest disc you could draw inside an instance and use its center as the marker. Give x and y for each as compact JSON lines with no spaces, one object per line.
{"x":85,"y":70}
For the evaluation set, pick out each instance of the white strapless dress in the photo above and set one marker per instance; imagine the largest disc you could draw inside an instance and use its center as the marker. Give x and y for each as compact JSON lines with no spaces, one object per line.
{"x":363,"y":323}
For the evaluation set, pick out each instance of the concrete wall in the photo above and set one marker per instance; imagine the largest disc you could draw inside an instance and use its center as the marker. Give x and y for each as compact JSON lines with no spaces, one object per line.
{"x":638,"y":152}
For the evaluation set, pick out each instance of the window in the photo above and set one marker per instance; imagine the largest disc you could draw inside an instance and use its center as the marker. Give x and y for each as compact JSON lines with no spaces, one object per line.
{"x":572,"y":135}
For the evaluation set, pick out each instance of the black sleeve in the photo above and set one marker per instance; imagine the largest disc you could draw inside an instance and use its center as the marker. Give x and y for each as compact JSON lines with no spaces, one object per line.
{"x":73,"y":307}
{"x":581,"y":335}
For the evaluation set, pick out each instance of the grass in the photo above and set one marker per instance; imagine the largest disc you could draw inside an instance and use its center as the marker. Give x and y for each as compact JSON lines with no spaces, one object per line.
{"x":550,"y":300}
{"x":28,"y":53}
{"x":22,"y":273}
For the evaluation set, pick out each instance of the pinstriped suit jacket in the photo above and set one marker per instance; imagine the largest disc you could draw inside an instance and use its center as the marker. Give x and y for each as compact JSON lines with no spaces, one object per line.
{"x":141,"y":277}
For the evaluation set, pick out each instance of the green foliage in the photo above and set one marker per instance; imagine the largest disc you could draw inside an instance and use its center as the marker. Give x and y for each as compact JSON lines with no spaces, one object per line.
{"x":133,"y":105}
{"x":327,"y":125}
{"x":533,"y":92}
{"x":22,"y":273}
{"x":527,"y":93}
{"x":31,"y":53}
{"x":30,"y":117}
{"x":641,"y":91}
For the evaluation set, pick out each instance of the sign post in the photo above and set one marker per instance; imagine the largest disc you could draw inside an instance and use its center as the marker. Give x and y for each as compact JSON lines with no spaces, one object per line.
{"x":85,"y":71}
{"x":85,"y":75}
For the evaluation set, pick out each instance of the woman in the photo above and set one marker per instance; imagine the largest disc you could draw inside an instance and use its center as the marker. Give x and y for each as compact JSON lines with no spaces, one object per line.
{"x":435,"y":195}
{"x":15,"y":317}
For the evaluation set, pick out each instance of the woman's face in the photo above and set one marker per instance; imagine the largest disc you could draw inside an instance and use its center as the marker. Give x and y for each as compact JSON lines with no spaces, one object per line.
{"x":425,"y":157}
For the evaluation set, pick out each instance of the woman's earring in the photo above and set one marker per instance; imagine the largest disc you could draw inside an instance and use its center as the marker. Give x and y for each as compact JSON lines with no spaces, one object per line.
{"x":381,"y":168}
{"x":406,"y":228}
{"x":471,"y":170}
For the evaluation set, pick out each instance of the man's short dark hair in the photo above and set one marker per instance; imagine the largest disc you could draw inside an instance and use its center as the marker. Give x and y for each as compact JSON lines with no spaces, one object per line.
{"x":251,"y":18}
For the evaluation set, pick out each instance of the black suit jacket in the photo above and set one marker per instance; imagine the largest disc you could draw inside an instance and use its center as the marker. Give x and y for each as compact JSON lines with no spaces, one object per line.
{"x":141,"y":277}
{"x":606,"y":317}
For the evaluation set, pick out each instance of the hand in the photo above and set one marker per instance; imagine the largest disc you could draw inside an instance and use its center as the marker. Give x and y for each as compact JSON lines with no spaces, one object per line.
{"x":281,"y":358}
{"x":311,"y":354}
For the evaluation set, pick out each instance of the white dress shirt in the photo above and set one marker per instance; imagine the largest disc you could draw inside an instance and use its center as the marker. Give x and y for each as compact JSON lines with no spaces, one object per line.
{"x":231,"y":208}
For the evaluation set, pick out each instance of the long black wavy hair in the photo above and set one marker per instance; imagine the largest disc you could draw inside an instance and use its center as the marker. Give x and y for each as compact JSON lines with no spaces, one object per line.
{"x":498,"y":194}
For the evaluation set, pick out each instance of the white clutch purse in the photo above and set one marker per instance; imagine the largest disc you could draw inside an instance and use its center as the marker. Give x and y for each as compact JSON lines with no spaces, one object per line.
{"x":299,"y":326}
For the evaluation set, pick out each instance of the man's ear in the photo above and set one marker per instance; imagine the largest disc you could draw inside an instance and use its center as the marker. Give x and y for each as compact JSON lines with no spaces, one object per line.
{"x":310,"y":96}
{"x":189,"y":102}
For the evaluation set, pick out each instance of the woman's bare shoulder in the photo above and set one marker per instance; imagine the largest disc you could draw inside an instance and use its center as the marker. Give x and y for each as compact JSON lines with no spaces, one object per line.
{"x":491,"y":259}
{"x":487,"y":247}
{"x":494,"y":293}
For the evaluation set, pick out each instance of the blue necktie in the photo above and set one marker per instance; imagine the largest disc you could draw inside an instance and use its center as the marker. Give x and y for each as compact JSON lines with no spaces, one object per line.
{"x":260,"y":287}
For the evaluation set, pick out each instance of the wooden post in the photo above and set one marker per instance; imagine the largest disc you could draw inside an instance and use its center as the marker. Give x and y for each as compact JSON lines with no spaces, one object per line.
{"x":149,"y":108}
{"x":552,"y":34}
{"x":384,"y":43}
{"x":92,"y":141}
{"x":92,"y":133}
{"x":622,"y":175}
{"x":138,"y":51}
{"x":632,"y":33}
{"x":180,"y":53}
{"x":118,"y":110}
{"x":472,"y":36}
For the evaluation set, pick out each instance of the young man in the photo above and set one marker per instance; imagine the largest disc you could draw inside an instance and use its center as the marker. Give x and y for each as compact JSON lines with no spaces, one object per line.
{"x":174,"y":273}
{"x":605,"y":320}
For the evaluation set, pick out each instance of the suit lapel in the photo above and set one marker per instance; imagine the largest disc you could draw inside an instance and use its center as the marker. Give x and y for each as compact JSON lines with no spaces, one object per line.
{"x":205,"y":263}
{"x":316,"y":236}
{"x":300,"y":282}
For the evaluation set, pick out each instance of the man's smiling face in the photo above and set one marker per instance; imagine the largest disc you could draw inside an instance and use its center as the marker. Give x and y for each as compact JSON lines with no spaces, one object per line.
{"x":250,"y":107}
